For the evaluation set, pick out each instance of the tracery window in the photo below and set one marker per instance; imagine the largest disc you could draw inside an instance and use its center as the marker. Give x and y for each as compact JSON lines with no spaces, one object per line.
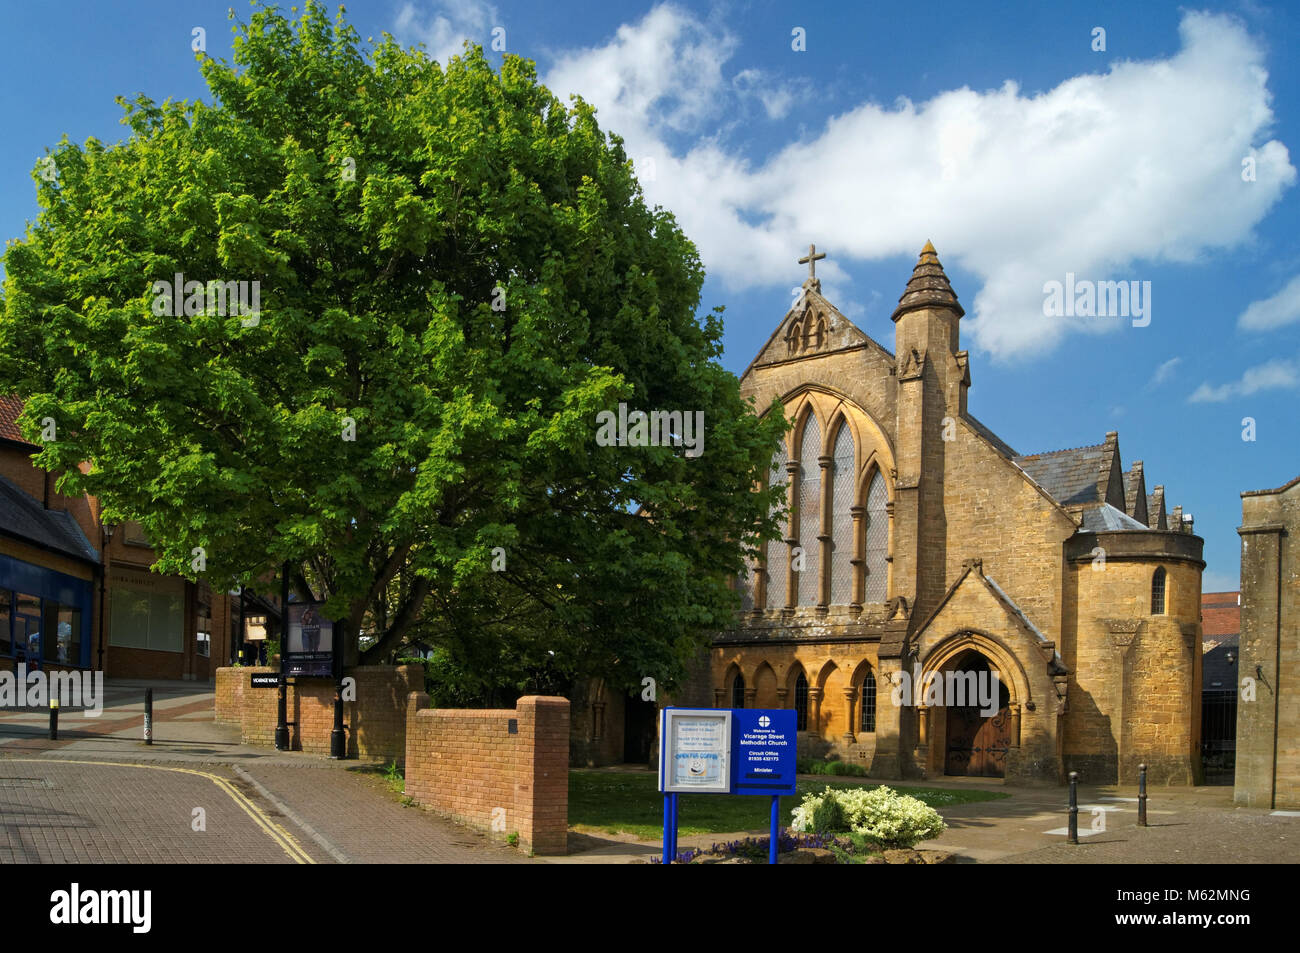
{"x":778,"y":555}
{"x":877,"y":544}
{"x":843,"y":483}
{"x":810,"y":518}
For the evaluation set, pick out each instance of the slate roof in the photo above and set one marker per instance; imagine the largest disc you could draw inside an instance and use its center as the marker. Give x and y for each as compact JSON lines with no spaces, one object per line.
{"x":1108,"y":519}
{"x":1070,"y":476}
{"x":1216,"y":674}
{"x":23,"y":517}
{"x":10,"y":408}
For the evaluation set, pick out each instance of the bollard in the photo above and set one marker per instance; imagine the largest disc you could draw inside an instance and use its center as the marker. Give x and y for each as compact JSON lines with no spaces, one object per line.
{"x":282,"y":718}
{"x":1142,"y":795}
{"x":148,"y":716}
{"x":54,"y":719}
{"x":338,"y":739}
{"x":1074,"y":808}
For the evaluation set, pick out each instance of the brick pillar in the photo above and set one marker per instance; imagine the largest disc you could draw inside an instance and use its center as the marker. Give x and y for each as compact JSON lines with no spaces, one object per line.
{"x":815,"y":710}
{"x":542,"y":794}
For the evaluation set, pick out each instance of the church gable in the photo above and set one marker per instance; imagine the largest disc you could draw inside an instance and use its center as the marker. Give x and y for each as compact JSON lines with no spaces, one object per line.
{"x":813,"y":326}
{"x":976,"y":603}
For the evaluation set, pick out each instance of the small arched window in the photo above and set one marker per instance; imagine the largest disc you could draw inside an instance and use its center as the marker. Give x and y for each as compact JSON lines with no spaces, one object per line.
{"x":738,"y":691}
{"x":1158,"y":592}
{"x":794,"y":341}
{"x":801,"y":702}
{"x":868,"y":720}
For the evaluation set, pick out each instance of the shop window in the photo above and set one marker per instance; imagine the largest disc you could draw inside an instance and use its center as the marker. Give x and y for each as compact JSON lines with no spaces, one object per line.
{"x":133,"y":533}
{"x":60,"y":634}
{"x":6,"y":622}
{"x":27,"y":628}
{"x":203,"y":632}
{"x":142,"y":619}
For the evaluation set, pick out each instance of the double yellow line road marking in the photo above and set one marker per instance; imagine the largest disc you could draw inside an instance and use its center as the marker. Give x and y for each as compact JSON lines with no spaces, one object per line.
{"x":283,"y":838}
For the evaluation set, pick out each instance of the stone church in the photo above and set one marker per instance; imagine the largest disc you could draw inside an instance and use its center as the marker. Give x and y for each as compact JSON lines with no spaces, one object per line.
{"x":921,"y":546}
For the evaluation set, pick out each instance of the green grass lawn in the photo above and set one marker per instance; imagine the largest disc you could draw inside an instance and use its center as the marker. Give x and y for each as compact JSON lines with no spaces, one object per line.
{"x":617,"y":802}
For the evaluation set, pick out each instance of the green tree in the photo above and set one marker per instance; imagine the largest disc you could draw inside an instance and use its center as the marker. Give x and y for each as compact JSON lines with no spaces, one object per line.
{"x":455,"y":269}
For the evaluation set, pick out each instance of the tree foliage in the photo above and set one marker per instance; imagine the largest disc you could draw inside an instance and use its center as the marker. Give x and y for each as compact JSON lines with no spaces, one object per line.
{"x":384,"y":203}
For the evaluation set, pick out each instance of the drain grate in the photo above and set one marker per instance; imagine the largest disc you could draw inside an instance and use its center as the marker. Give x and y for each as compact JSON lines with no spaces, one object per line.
{"x":10,"y":783}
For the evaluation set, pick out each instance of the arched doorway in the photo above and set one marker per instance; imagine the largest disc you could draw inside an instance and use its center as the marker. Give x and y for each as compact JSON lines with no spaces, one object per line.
{"x":976,"y":744}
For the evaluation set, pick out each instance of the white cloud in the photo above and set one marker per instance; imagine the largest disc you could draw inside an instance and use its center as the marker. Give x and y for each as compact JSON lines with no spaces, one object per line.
{"x":444,"y":25}
{"x":1095,"y":176}
{"x":1277,"y":374}
{"x":1282,"y":308}
{"x":1164,"y":371}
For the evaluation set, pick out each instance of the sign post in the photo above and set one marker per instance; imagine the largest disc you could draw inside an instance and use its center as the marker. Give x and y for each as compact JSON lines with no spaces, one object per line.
{"x":726,"y":751}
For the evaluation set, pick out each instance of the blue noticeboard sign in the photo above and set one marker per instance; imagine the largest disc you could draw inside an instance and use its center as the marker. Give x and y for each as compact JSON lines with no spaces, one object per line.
{"x":763,"y":750}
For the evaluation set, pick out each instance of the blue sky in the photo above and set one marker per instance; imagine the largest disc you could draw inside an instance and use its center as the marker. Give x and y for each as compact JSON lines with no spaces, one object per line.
{"x":999,"y":134}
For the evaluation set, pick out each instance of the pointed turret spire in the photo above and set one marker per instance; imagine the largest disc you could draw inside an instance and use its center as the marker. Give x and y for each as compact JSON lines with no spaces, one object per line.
{"x":929,"y":287}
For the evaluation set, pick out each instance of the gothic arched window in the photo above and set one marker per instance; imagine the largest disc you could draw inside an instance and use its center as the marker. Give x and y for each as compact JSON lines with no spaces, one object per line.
{"x":1158,"y":592}
{"x":738,"y":691}
{"x":810,"y":515}
{"x":877,"y":541}
{"x":801,"y":703}
{"x":778,"y":555}
{"x":868,"y":720}
{"x":843,"y":483}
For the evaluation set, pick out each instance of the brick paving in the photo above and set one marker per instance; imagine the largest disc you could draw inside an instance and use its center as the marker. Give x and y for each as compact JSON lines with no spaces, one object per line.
{"x":58,"y":812}
{"x":61,"y":802}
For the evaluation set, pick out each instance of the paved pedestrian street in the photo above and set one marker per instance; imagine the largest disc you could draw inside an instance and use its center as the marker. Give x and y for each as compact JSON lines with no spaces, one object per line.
{"x":98,"y":794}
{"x":89,"y":812}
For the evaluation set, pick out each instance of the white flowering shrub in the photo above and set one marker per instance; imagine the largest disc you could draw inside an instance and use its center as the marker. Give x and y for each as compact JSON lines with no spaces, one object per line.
{"x":881,"y":815}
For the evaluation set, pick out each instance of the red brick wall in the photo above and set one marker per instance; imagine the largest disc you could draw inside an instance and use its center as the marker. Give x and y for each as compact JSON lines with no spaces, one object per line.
{"x":229,"y":692}
{"x":468,"y":764}
{"x":375,"y":722}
